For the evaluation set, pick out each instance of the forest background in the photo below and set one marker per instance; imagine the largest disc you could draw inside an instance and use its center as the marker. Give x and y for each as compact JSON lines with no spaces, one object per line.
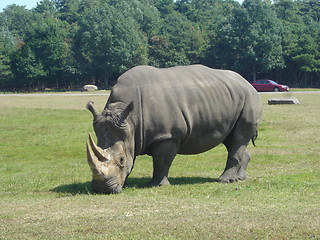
{"x":64,"y":44}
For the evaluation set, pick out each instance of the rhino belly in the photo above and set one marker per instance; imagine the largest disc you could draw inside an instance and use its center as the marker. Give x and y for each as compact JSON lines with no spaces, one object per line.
{"x":196,"y":143}
{"x":201,"y":144}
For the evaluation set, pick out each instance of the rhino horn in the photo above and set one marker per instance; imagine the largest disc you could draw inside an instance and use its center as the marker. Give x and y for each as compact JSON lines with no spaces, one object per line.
{"x":92,"y":109}
{"x":124,"y":114}
{"x":93,"y":161}
{"x":95,"y":155}
{"x":101,"y":155}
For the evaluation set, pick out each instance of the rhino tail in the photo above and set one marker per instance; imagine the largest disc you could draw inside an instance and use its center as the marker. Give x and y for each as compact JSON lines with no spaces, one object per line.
{"x":254,"y":137}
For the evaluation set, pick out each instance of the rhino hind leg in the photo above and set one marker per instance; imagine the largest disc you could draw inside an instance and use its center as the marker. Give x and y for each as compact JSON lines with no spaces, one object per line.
{"x":238,"y":157}
{"x":237,"y":162}
{"x":163,"y":154}
{"x":243,"y":165}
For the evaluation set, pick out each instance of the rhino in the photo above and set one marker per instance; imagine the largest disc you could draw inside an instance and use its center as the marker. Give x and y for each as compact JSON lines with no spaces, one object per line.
{"x":170,"y":111}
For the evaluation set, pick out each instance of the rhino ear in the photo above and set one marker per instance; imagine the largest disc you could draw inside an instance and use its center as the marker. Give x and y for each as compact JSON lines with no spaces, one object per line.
{"x":125,"y":113}
{"x":92,"y":109}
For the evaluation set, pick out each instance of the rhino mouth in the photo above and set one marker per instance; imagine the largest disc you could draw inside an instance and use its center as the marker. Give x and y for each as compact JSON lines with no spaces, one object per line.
{"x":105,"y":187}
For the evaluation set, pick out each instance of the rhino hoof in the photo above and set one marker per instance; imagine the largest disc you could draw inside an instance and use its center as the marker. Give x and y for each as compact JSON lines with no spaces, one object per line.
{"x":242,"y":177}
{"x":156,"y":183}
{"x":227,"y":179}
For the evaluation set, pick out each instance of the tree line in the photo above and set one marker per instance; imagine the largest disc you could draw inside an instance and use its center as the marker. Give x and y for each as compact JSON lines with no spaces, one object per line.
{"x":69,"y":43}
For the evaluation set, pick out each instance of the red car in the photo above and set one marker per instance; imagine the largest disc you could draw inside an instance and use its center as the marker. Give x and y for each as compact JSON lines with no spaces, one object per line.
{"x":269,"y":86}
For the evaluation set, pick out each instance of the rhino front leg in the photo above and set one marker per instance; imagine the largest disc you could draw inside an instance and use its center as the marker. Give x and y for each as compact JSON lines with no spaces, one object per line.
{"x":163,"y":154}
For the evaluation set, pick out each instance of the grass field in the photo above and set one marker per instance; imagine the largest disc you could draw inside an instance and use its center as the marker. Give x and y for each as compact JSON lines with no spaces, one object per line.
{"x":45,"y":181}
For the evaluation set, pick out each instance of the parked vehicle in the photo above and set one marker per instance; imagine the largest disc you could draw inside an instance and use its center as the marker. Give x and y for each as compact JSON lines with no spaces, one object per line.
{"x":269,"y":86}
{"x":90,"y":88}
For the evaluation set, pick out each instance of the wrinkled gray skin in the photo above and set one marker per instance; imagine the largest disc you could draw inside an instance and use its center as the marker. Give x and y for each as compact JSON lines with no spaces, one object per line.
{"x":165,"y":112}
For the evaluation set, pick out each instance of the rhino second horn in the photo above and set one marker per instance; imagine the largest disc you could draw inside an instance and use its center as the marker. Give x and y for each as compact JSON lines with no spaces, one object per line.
{"x":102,"y":155}
{"x":92,"y":109}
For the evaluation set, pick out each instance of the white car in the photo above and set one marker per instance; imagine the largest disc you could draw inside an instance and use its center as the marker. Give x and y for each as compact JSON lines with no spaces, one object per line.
{"x":90,"y":88}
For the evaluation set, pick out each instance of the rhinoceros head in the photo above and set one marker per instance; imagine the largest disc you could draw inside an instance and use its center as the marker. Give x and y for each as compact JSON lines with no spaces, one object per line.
{"x":111,"y":159}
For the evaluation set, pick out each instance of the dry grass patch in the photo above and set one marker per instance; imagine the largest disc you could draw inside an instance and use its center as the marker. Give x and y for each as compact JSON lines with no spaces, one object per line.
{"x":53,"y":101}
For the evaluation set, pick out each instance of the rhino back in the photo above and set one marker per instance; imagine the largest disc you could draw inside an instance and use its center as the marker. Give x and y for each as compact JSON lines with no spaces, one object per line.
{"x":195,"y":105}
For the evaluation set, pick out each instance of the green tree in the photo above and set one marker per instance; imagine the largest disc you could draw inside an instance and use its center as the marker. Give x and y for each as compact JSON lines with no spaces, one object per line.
{"x":50,"y":41}
{"x":42,"y":57}
{"x":179,"y":42}
{"x":301,"y":43}
{"x":165,"y":7}
{"x":209,"y":16}
{"x":249,"y":41}
{"x":26,"y":68}
{"x":5,"y":71}
{"x":68,"y":10}
{"x":17,"y":19}
{"x":46,"y":7}
{"x":310,"y":8}
{"x":144,"y":13}
{"x":7,"y":47}
{"x":71,"y":42}
{"x":109,"y":41}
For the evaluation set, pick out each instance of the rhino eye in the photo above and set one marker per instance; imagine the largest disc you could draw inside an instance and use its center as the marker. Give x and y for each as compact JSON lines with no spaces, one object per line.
{"x":122,"y":161}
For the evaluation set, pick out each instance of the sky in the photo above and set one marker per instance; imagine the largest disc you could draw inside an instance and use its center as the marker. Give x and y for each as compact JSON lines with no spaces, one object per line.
{"x":28,"y":3}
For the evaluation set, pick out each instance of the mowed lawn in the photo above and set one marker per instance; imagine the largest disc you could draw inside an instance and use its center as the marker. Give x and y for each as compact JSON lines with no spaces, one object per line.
{"x":45,"y":180}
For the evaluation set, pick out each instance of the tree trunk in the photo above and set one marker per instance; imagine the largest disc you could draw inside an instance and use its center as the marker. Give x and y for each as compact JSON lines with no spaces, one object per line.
{"x":254,"y":76}
{"x":106,"y":82}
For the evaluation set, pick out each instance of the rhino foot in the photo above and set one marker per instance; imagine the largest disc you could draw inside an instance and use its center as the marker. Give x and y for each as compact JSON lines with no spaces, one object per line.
{"x":156,"y":183}
{"x":230,"y":179}
{"x":231,"y":175}
{"x":242,"y":175}
{"x":227,"y":180}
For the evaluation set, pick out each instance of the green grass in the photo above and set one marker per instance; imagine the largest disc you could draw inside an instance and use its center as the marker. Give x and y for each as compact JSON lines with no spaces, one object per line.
{"x":304,"y":89}
{"x":45,"y":181}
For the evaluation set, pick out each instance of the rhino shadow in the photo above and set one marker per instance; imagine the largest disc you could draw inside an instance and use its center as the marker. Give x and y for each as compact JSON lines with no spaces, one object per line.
{"x":74,"y":189}
{"x":143,"y":182}
{"x":85,"y":188}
